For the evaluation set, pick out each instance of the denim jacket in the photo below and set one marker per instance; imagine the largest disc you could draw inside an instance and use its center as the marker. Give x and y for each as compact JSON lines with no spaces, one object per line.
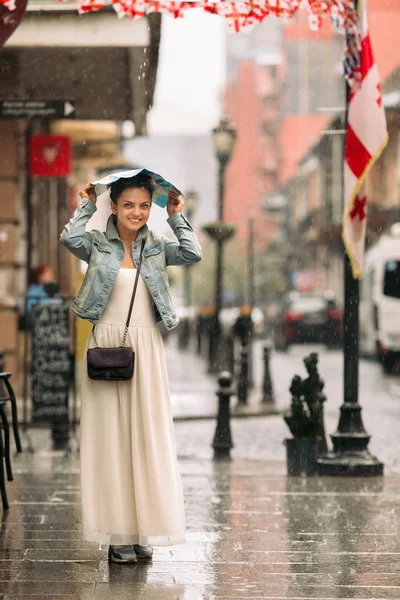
{"x":104,"y":253}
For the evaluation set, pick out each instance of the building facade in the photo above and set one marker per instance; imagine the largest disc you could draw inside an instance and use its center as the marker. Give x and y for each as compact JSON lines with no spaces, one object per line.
{"x":312,"y":186}
{"x":275,"y":98}
{"x":105,"y":69}
{"x":253,"y":100}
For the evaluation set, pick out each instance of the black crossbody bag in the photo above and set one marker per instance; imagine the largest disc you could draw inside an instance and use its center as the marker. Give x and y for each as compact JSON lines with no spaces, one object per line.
{"x":114,"y":364}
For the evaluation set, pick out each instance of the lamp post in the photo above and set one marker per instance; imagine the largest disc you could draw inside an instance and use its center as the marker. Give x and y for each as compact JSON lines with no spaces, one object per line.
{"x":251,"y":287}
{"x":224,"y":136}
{"x":191,"y":198}
{"x":350,"y":456}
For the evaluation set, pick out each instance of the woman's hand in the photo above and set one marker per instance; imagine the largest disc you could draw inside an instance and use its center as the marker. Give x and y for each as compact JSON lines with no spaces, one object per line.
{"x":175,"y":203}
{"x":88,"y":192}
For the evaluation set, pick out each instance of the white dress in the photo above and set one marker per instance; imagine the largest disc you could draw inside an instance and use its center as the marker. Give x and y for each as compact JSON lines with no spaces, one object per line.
{"x":130,"y":482}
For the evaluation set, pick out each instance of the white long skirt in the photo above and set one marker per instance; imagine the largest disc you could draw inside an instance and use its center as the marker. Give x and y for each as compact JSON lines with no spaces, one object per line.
{"x":130,"y":482}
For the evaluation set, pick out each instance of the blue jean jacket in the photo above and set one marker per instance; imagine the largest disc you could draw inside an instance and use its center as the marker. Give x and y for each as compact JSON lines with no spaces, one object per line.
{"x":104,"y":253}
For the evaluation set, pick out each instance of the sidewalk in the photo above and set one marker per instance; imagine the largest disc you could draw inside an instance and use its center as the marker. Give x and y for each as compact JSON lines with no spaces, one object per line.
{"x":193,"y":390}
{"x":252,"y":532}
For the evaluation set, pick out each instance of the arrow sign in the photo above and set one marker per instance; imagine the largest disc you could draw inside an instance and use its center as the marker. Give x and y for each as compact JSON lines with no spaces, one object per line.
{"x":39,"y":109}
{"x":68,"y":109}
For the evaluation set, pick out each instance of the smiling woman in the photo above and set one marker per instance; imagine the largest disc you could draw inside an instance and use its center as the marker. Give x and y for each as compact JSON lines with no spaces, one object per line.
{"x":127,"y":449}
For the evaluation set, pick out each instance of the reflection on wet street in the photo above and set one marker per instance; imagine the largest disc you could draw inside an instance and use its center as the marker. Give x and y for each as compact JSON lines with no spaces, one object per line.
{"x":252,"y":533}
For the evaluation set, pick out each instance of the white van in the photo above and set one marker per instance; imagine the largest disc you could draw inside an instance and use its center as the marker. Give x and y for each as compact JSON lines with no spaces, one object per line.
{"x":380,"y":301}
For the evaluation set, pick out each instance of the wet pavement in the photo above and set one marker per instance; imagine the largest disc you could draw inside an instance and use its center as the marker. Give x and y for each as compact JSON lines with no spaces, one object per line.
{"x":252,"y":532}
{"x":262,"y":438}
{"x":193,"y":390}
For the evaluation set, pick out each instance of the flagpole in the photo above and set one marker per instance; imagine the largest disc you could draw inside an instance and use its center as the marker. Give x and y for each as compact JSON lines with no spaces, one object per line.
{"x":350,"y":454}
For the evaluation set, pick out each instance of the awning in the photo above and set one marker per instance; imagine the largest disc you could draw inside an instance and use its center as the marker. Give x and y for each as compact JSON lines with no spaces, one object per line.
{"x":243,"y":14}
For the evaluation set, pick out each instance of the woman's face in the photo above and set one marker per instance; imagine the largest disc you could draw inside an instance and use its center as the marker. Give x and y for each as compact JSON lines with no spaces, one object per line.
{"x":132,"y":209}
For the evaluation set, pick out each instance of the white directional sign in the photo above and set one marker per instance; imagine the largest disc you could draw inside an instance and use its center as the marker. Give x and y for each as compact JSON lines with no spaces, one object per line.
{"x":69,"y":109}
{"x":40,"y":109}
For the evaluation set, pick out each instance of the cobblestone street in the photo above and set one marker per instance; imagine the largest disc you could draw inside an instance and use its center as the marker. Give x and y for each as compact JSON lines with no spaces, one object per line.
{"x":252,"y":532}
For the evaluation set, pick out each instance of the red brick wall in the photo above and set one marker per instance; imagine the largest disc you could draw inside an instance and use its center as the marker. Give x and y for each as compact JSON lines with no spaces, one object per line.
{"x":245,"y":180}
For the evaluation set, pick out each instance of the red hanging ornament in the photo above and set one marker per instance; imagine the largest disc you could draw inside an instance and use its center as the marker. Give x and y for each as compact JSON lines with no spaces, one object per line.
{"x":11,"y":13}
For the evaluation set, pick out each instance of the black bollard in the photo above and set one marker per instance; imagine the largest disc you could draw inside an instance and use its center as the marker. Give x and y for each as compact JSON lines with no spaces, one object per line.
{"x":222,"y":442}
{"x":243,"y":383}
{"x":268,"y":392}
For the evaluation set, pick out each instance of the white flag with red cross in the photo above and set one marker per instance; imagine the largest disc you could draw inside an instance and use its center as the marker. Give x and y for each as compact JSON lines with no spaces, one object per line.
{"x":366,"y":137}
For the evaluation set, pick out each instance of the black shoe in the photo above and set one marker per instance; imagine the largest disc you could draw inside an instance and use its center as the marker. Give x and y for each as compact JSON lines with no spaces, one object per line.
{"x":143,"y":552}
{"x":122,"y":554}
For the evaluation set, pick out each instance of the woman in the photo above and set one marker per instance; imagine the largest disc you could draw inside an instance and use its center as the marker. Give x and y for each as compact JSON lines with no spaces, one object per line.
{"x":41,"y":290}
{"x":131,"y":489}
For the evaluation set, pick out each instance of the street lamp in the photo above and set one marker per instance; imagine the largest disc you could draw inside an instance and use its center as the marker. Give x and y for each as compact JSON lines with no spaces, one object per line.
{"x":191,"y":200}
{"x":224,"y":137}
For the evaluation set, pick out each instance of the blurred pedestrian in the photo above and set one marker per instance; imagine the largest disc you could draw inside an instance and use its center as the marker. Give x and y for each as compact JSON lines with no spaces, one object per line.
{"x":131,"y":489}
{"x":43,"y":289}
{"x":243,"y":327}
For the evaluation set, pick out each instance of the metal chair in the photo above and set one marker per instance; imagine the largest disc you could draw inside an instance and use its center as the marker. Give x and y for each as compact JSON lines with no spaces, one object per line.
{"x":5,"y":449}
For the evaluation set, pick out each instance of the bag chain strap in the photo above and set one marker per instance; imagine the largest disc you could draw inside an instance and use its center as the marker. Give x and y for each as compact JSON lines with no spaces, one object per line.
{"x":131,"y":304}
{"x":94,"y":337}
{"x":124,"y":337}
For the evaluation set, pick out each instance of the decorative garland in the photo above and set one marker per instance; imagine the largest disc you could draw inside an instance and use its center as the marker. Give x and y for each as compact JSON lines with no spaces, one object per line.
{"x":246,"y":13}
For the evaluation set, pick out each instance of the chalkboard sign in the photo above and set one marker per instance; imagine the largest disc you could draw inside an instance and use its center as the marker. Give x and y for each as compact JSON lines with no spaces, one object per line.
{"x":51,"y":362}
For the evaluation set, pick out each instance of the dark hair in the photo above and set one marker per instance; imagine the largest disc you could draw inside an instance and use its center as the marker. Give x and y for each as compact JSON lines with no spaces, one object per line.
{"x":140,"y":181}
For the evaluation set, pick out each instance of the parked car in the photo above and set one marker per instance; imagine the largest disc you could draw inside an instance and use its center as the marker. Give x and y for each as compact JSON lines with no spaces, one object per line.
{"x":308,"y":318}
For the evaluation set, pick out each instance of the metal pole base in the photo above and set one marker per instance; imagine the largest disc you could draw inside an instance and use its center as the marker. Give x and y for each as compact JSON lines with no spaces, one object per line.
{"x":350,"y":456}
{"x":349,"y":464}
{"x":267,"y":399}
{"x":59,"y":434}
